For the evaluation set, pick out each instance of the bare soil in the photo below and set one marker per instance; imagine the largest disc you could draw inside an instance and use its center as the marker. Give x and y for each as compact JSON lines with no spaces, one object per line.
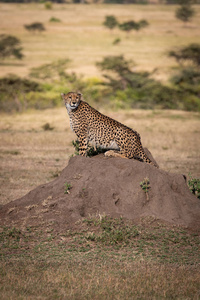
{"x":111,"y":186}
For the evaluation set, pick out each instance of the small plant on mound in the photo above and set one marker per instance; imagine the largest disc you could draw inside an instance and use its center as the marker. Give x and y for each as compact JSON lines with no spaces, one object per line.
{"x":91,"y":150}
{"x":145,"y":185}
{"x":68,"y":187}
{"x":194,"y":186}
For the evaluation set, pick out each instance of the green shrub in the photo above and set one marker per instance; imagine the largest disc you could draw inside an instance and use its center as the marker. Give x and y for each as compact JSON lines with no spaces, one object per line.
{"x":19,"y":94}
{"x":68,"y":187}
{"x":91,"y":151}
{"x":112,"y":231}
{"x":187,"y":82}
{"x":136,"y":89}
{"x":194,"y":186}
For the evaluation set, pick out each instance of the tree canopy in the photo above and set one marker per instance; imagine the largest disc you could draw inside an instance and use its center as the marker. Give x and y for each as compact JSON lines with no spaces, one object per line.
{"x":10,"y":46}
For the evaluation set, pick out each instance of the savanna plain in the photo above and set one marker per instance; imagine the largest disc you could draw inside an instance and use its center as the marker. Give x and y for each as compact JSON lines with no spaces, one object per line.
{"x":99,"y":257}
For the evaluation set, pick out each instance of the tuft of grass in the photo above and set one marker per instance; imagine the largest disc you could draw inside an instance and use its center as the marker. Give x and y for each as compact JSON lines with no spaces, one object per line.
{"x":116,"y":41}
{"x":11,"y":152}
{"x":91,"y":151}
{"x":53,"y":19}
{"x":68,"y":187}
{"x":47,"y":127}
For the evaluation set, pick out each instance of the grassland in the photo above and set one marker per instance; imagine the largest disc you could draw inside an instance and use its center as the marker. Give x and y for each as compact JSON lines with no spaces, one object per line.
{"x":101,"y":258}
{"x":81,"y":37}
{"x":98,"y":258}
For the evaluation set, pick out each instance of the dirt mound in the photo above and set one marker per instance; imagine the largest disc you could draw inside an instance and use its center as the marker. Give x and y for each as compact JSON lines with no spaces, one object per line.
{"x":101,"y":185}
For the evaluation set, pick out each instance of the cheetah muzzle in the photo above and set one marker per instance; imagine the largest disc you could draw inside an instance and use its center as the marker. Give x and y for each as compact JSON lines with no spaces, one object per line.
{"x":98,"y":130}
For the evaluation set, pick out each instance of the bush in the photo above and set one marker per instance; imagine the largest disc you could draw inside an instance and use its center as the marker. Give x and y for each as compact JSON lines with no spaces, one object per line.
{"x":187,"y":81}
{"x":194,"y":186}
{"x":19,"y":94}
{"x":136,"y":89}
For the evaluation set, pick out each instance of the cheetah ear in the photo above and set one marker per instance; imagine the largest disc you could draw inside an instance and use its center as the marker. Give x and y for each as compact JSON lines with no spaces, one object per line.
{"x":80,"y":95}
{"x":62,"y":95}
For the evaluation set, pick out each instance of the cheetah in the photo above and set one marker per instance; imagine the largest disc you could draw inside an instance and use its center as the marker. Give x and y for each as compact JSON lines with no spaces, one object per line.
{"x":98,"y":130}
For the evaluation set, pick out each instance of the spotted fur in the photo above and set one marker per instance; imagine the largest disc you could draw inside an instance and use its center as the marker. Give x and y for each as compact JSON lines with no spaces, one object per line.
{"x":96,"y":129}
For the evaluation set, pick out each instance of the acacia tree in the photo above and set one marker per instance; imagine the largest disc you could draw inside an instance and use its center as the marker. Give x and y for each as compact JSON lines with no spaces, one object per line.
{"x":185,"y":12}
{"x":110,"y":22}
{"x":36,"y":26}
{"x":132,"y":25}
{"x":190,"y":53}
{"x":10,"y":46}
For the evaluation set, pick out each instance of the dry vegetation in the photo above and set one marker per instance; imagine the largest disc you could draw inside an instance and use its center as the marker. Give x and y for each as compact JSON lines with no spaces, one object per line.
{"x":164,"y":263}
{"x":81,"y":36}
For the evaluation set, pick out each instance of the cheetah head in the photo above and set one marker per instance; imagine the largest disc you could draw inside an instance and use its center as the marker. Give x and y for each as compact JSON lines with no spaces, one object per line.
{"x":71,"y":100}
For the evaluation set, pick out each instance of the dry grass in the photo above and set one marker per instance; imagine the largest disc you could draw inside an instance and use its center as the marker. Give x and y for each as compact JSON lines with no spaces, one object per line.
{"x":157,"y":263}
{"x":39,"y":265}
{"x":81,"y":36}
{"x":102,"y":281}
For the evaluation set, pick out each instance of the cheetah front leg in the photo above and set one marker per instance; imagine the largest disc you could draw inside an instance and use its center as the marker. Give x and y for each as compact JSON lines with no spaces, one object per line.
{"x":83,"y":145}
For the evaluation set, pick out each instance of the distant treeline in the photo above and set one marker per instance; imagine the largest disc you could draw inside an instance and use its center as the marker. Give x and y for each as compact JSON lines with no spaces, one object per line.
{"x":108,"y":1}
